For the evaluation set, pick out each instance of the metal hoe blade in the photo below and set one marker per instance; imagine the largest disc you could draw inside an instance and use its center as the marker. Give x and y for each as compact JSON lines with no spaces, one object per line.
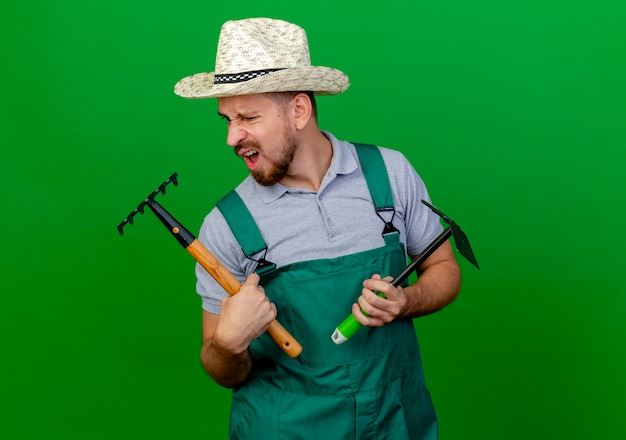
{"x":462,"y":244}
{"x":460,"y":239}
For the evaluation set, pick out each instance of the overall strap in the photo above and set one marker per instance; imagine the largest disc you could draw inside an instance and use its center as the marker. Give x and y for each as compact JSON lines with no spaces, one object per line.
{"x":244,"y":229}
{"x":378,"y":183}
{"x":249,"y":236}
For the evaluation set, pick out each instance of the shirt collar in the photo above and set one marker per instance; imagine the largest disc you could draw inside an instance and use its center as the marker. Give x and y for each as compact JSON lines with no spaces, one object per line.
{"x":344,"y":161}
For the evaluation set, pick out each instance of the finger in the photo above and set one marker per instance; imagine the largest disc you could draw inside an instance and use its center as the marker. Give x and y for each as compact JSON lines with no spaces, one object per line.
{"x":384,"y":308}
{"x":365,"y":307}
{"x":368,"y":321}
{"x":274,"y":310}
{"x":252,"y":280}
{"x":373,"y":305}
{"x":378,"y":285}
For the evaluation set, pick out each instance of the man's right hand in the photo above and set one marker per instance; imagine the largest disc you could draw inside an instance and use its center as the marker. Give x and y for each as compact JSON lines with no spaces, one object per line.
{"x":244,"y":316}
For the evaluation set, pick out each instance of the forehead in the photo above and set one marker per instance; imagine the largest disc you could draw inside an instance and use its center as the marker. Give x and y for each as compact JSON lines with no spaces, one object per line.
{"x":244,"y":104}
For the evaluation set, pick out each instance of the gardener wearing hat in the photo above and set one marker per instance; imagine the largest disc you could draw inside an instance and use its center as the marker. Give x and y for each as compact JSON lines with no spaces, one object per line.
{"x":310,"y":239}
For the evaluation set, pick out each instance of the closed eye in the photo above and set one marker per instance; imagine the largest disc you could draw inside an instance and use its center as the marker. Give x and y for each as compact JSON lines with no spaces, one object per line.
{"x":240,"y":118}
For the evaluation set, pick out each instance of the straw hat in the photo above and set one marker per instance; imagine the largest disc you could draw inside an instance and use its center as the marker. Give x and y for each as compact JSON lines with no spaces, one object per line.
{"x":259,"y":55}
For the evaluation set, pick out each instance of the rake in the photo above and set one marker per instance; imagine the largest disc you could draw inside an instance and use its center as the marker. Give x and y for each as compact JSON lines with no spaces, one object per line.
{"x":206,"y":259}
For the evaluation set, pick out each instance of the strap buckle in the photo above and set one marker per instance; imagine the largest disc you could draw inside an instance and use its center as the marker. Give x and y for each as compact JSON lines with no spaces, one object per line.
{"x":263,"y":266}
{"x":389,"y":227}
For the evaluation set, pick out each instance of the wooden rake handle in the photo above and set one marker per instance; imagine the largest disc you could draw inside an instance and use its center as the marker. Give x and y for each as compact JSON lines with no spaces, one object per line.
{"x":225,"y":279}
{"x":211,"y":264}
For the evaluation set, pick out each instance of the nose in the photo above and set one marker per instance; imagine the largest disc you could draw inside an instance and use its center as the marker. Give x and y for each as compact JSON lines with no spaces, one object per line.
{"x":236,"y":135}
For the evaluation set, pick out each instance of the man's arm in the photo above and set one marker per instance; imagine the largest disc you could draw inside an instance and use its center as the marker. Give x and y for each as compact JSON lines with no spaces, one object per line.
{"x":438,"y":284}
{"x":226,"y":336}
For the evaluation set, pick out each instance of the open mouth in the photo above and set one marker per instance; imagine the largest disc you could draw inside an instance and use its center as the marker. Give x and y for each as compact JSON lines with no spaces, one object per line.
{"x":251,"y":157}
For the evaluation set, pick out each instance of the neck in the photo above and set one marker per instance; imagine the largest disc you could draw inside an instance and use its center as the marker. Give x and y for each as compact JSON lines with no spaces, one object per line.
{"x":310,"y":163}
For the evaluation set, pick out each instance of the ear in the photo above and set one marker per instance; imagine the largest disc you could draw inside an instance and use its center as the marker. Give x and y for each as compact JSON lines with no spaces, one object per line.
{"x":302,"y":109}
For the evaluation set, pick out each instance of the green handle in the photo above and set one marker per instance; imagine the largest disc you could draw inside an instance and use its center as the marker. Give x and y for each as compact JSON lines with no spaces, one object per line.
{"x":345,"y":330}
{"x":348,"y":327}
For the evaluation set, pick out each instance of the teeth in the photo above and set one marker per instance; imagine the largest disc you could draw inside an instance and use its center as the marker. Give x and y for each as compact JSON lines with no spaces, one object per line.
{"x":250,"y":153}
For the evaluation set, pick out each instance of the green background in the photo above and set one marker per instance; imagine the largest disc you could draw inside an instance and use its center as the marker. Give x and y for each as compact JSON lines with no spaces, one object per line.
{"x":513,"y":113}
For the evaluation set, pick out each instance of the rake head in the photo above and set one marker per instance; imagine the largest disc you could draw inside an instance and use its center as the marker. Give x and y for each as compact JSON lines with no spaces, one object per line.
{"x":141,"y":207}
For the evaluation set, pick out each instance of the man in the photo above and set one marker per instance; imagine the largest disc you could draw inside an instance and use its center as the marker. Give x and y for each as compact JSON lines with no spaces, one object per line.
{"x":309,"y":241}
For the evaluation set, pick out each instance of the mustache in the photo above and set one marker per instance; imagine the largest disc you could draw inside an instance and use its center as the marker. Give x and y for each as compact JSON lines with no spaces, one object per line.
{"x":250,"y":145}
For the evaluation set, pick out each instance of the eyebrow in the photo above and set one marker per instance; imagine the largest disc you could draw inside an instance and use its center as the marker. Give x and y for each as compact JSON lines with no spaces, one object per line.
{"x":239,"y":115}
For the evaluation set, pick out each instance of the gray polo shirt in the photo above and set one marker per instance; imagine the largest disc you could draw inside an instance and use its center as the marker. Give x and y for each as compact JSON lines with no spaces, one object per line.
{"x":339,"y":219}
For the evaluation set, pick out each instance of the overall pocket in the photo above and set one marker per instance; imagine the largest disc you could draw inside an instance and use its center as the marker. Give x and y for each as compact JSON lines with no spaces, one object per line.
{"x":312,"y":303}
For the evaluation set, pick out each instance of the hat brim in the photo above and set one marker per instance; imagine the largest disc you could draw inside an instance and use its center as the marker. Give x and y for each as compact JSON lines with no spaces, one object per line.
{"x":317,"y":79}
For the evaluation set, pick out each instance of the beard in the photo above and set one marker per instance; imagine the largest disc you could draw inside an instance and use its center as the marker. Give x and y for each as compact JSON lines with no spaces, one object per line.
{"x":278,"y":166}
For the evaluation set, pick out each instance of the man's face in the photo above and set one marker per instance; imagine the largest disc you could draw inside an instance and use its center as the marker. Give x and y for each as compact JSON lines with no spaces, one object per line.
{"x":259,"y":132}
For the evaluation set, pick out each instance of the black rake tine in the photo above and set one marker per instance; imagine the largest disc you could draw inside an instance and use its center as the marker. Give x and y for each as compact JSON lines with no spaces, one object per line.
{"x":140,"y":208}
{"x":129,"y":219}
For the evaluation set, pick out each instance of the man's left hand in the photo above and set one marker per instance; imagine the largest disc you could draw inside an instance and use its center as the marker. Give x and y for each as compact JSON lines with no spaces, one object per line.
{"x":381,"y":310}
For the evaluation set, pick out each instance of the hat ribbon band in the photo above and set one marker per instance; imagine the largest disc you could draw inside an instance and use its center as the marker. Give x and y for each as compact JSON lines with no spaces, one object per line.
{"x":228,"y":78}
